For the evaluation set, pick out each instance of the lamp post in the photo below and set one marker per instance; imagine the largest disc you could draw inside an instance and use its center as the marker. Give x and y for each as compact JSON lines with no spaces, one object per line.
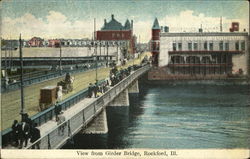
{"x":96,"y":62}
{"x":107,"y":45}
{"x":60,"y":62}
{"x":22,"y":111}
{"x":95,"y":45}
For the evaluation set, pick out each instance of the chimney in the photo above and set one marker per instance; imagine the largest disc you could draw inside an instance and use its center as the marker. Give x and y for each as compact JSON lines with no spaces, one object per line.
{"x":132,"y":25}
{"x":112,"y":16}
{"x":235,"y":27}
{"x":105,"y":21}
{"x":166,"y":29}
{"x":200,"y":29}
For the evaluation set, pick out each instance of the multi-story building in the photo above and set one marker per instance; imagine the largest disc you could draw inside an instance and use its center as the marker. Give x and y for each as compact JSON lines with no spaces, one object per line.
{"x":36,"y":42}
{"x":203,"y":53}
{"x":115,"y":31}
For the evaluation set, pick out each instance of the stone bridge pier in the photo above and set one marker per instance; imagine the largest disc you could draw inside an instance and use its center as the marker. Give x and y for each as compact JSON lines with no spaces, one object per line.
{"x":99,"y":125}
{"x":123,"y":98}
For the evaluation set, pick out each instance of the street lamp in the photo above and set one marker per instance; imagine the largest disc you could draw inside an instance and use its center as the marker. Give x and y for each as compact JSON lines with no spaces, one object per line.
{"x":22,"y":111}
{"x":96,"y":62}
{"x":60,"y":62}
{"x":107,"y":45}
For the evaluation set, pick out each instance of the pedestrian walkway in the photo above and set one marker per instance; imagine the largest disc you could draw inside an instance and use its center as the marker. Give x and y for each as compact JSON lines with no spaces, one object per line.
{"x":52,"y":124}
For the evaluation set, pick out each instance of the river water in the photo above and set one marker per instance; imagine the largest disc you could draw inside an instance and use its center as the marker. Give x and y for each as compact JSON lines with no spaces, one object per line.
{"x":177,"y":116}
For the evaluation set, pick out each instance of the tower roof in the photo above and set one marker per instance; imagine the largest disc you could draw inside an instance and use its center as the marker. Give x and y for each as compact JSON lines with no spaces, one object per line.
{"x":127,"y":25}
{"x":112,"y":24}
{"x":156,"y":24}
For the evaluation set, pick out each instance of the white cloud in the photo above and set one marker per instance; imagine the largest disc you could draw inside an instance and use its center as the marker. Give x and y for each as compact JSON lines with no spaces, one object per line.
{"x":187,"y":21}
{"x":58,"y":25}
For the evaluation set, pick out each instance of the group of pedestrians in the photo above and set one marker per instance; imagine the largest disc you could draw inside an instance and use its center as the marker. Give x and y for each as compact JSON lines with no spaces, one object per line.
{"x":24,"y":131}
{"x":116,"y":76}
{"x":97,"y":90}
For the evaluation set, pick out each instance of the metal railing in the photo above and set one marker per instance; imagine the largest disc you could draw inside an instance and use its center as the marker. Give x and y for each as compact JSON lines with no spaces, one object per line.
{"x":55,"y":138}
{"x":46,"y":115}
{"x":33,"y":80}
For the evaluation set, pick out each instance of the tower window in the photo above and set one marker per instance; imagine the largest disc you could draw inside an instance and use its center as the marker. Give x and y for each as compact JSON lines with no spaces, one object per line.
{"x":174,"y":46}
{"x":243,"y":47}
{"x":205,"y":46}
{"x":189,"y":46}
{"x":227,"y":46}
{"x":221,"y":45}
{"x":211,"y":46}
{"x":237,"y":46}
{"x":180,"y":46}
{"x":195,"y":46}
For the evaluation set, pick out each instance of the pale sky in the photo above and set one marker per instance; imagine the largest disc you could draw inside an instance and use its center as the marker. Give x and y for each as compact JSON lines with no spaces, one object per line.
{"x":74,"y":18}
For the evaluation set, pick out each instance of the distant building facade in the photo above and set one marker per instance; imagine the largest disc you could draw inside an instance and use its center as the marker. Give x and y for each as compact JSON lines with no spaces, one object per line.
{"x":202,"y":53}
{"x":115,"y":31}
{"x":36,"y":42}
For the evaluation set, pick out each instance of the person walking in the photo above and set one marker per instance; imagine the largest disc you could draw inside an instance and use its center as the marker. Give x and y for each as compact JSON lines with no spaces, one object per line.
{"x":35,"y":135}
{"x":96,"y":89}
{"x":15,"y":130}
{"x":58,"y":109}
{"x":24,"y":135}
{"x":90,"y":90}
{"x":61,"y":119}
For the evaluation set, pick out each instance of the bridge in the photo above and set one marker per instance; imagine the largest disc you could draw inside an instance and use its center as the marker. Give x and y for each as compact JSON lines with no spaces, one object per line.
{"x":87,"y":111}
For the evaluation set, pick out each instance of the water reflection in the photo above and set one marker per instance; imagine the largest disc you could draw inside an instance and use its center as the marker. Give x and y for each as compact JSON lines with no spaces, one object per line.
{"x":177,"y":116}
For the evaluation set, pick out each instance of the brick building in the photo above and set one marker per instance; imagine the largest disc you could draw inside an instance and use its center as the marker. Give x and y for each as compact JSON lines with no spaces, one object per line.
{"x":115,"y":31}
{"x":35,"y":42}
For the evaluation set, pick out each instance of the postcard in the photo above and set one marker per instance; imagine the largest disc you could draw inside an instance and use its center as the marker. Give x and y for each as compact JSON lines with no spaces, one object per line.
{"x":125,"y":79}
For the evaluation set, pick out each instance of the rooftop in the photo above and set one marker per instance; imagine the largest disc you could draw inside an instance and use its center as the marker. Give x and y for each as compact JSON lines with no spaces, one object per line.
{"x":113,"y":24}
{"x":168,"y":34}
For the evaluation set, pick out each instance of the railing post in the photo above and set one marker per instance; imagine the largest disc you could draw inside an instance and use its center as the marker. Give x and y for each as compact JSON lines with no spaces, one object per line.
{"x":94,"y":109}
{"x":83,"y":118}
{"x":69,"y":129}
{"x":49,"y":145}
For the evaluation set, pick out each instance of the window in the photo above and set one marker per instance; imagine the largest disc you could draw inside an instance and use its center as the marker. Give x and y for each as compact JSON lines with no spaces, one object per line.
{"x":174,"y":46}
{"x":195,"y":46}
{"x":211,"y":46}
{"x":118,"y":35}
{"x":221,"y":45}
{"x":205,"y":46}
{"x":180,"y":46}
{"x":113,"y":35}
{"x":237,"y":46}
{"x":243,"y":45}
{"x":227,"y":46}
{"x":189,"y":46}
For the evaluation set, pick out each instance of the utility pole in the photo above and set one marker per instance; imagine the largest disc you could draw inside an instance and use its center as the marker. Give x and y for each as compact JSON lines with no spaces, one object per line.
{"x":60,"y":62}
{"x":107,"y":53}
{"x":220,"y":24}
{"x":22,"y":111}
{"x":117,"y":57}
{"x":95,"y":51}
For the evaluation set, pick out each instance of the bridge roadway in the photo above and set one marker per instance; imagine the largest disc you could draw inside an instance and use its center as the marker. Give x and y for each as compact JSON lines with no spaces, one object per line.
{"x":81,"y":114}
{"x":10,"y":101}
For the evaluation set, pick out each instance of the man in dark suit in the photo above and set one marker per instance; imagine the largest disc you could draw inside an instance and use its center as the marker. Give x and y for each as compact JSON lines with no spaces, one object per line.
{"x":24,"y":134}
{"x":15,"y":131}
{"x":35,"y":135}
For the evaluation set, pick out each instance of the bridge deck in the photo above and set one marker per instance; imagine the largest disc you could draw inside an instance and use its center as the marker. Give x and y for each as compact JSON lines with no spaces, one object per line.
{"x":81,"y":114}
{"x":52,"y":124}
